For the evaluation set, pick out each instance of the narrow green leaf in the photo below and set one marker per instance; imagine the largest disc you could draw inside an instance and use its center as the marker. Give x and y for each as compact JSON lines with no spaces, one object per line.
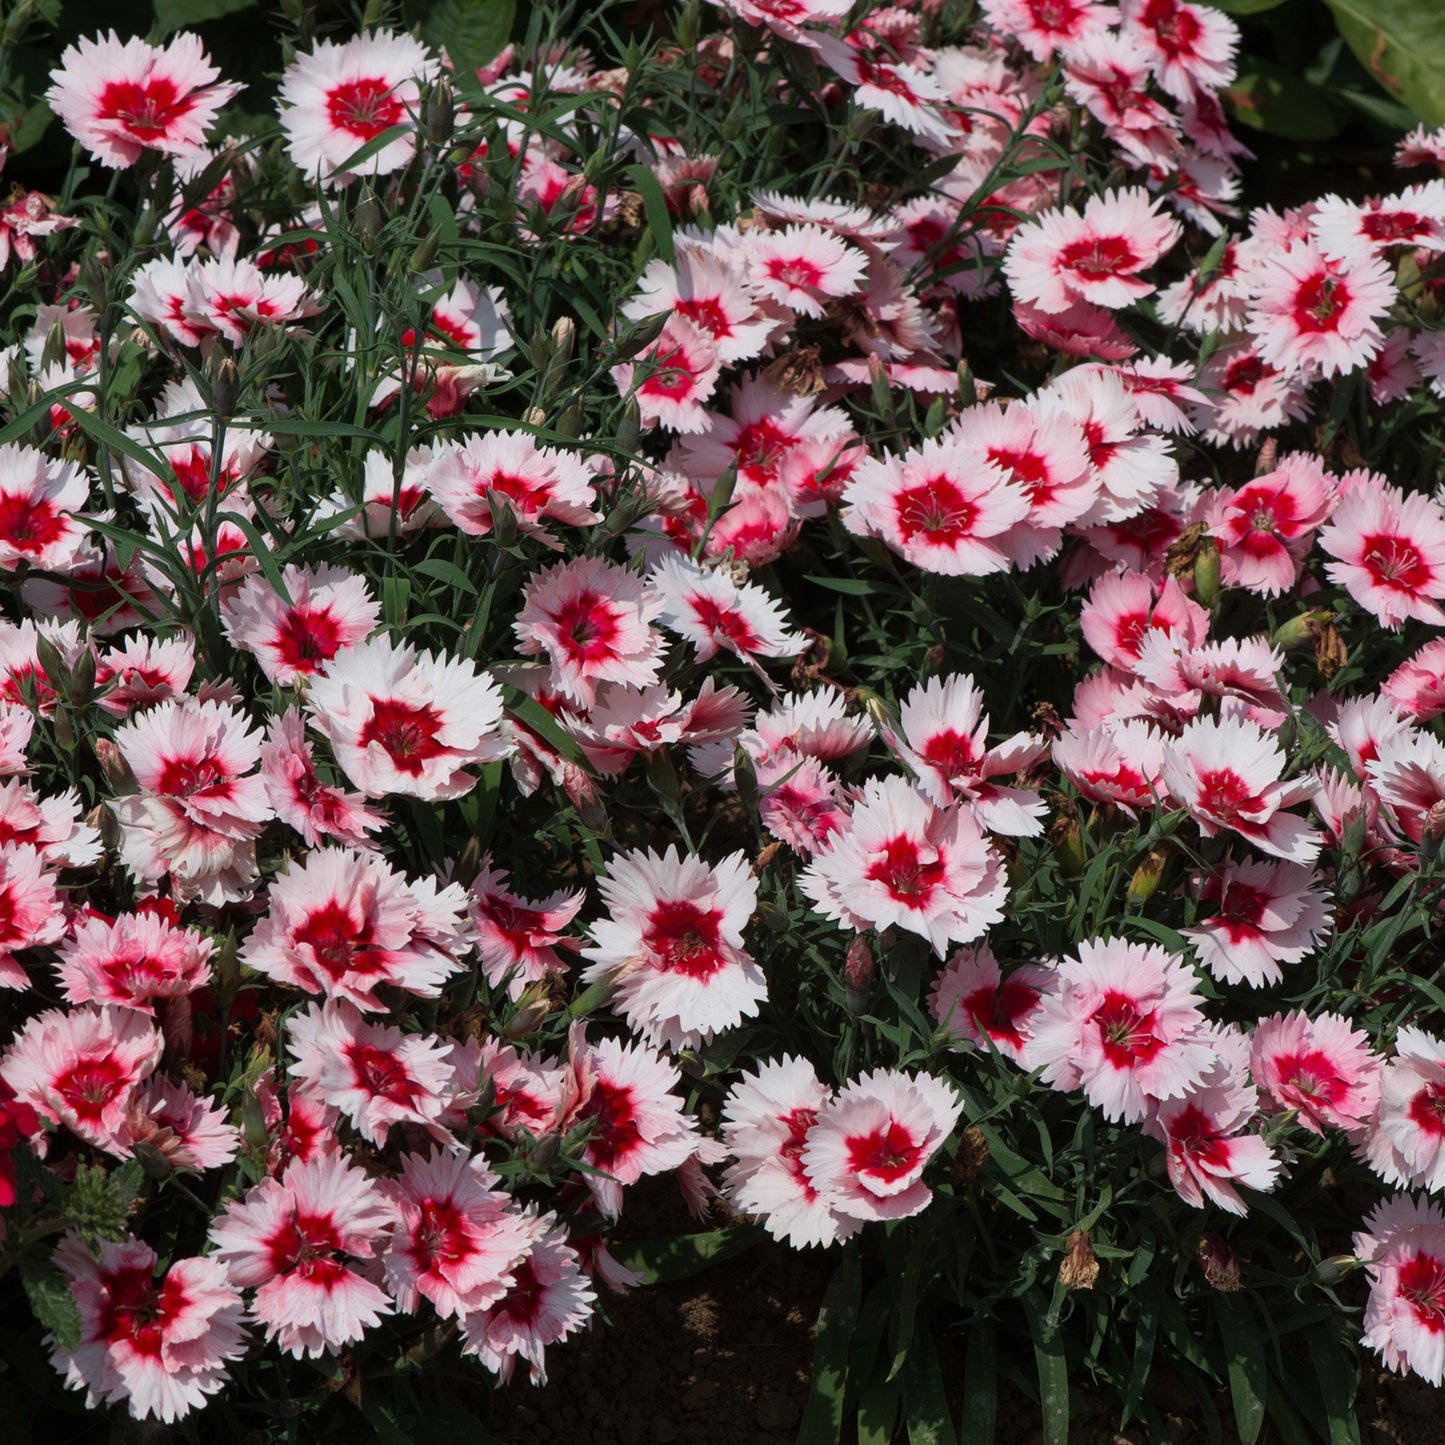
{"x":1146,"y":1332}
{"x":1402,"y":44}
{"x":51,"y":1298}
{"x":1053,"y":1368}
{"x":980,"y":1387}
{"x":655,"y":204}
{"x":472,"y":32}
{"x":1339,"y":1377}
{"x":683,"y":1255}
{"x":925,"y":1406}
{"x":1245,"y":1364}
{"x":182,"y":14}
{"x":823,"y":1416}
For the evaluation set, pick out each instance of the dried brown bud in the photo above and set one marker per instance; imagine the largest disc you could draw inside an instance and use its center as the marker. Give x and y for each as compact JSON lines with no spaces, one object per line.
{"x":1331,"y":654}
{"x":1079,"y":1268}
{"x":1179,"y":559}
{"x":972,"y":1155}
{"x":799,"y":371}
{"x":1219,"y":1264}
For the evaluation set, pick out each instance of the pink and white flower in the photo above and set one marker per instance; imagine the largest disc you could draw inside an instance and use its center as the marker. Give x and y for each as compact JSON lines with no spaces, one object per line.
{"x":518,"y":937}
{"x":133,"y":960}
{"x":1389,"y":548}
{"x":408,"y":722}
{"x":1402,"y":1247}
{"x":713,"y":612}
{"x":316,"y":810}
{"x":1268,"y":914}
{"x":39,"y":500}
{"x":593,"y":621}
{"x":804,"y":267}
{"x":1404,"y":1142}
{"x":1317,"y":1066}
{"x":297,"y":1240}
{"x":121,"y":99}
{"x":337,"y":98}
{"x":161,"y":1346}
{"x":902,"y":861}
{"x":982,"y":1009}
{"x":1228,"y":773}
{"x":873,"y":1139}
{"x":673,"y":945}
{"x":325,"y":610}
{"x":1125,"y":1025}
{"x":767,"y":1118}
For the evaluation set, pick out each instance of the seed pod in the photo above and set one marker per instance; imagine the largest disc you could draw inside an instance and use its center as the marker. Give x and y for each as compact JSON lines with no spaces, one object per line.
{"x":225,"y":388}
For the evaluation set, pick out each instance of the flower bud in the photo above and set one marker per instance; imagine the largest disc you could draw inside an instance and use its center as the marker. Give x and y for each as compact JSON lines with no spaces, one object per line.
{"x":115,"y":768}
{"x":1147,"y":876}
{"x":53,"y":353}
{"x":16,"y":24}
{"x":1066,"y":838}
{"x":152,"y":1160}
{"x":81,"y":687}
{"x":225,"y":388}
{"x":858,"y":971}
{"x":1299,"y":630}
{"x":1206,"y":572}
{"x":1335,"y":1268}
{"x":534,"y":1006}
{"x":93,"y":278}
{"x":1219,"y":1264}
{"x":427,"y":250}
{"x":441,"y":114}
{"x":367,"y":219}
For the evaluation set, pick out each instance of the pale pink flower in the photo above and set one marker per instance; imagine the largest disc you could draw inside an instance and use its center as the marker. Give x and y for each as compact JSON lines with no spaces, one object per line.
{"x":1123,"y":607}
{"x":713,"y":612}
{"x":1121,"y":763}
{"x":159,"y":1345}
{"x":901,"y":861}
{"x":457,"y":1238}
{"x":315,"y":809}
{"x":187,"y":1132}
{"x":548,"y":1300}
{"x":31,"y":911}
{"x":337,"y":98}
{"x":39,"y":499}
{"x":639,"y":1128}
{"x":81,"y":1068}
{"x":133,"y":960}
{"x":1208,"y":1147}
{"x":1363,"y":727}
{"x":1228,"y":773}
{"x":1094,"y":256}
{"x":1125,"y":1025}
{"x":945,"y":746}
{"x":1047,"y":27}
{"x":625,"y":721}
{"x":673,"y":944}
{"x":200,"y":807}
{"x":121,"y":99}
{"x":673,"y":376}
{"x":1319,"y":1067}
{"x":142,"y":671}
{"x":1190,"y":47}
{"x":787,"y":17}
{"x":1418,"y":684}
{"x":804,"y":267}
{"x":1390,"y":551}
{"x":800,"y":801}
{"x":1266,"y":526}
{"x":1404,"y":1141}
{"x":1402,"y":1247}
{"x":1414,"y":218}
{"x":51,"y":826}
{"x":939,"y":507}
{"x":765,"y":1123}
{"x":408,"y":722}
{"x":593,"y":621}
{"x":1268,"y":914}
{"x":235,"y":298}
{"x":374,"y":1074}
{"x":343,"y":924}
{"x":900,"y":89}
{"x":161,"y":293}
{"x":709,"y":293}
{"x":526,"y":1089}
{"x":532,"y":484}
{"x":873,"y":1139}
{"x":518,"y":937}
{"x":1248,"y":395}
{"x":1310,"y":311}
{"x":325,"y":610}
{"x":980,"y":1008}
{"x":1421,"y":148}
{"x":296,"y":1240}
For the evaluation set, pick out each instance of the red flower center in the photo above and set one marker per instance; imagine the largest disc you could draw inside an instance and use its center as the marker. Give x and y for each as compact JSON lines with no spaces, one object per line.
{"x":587,"y":627}
{"x":134,"y":1311}
{"x":338,"y":942}
{"x":89,"y":1086}
{"x":707,"y":312}
{"x":1422,"y":1285}
{"x":1427,"y":1110}
{"x":795,"y":271}
{"x":363,"y":107}
{"x":1310,"y":1074}
{"x":182,"y":777}
{"x":306,"y":1244}
{"x":147,"y":111}
{"x":1394,"y":562}
{"x":907,"y":875}
{"x":952,"y":753}
{"x":27,"y":525}
{"x":937,"y":509}
{"x":1096,"y":256}
{"x":305,"y":639}
{"x":407,"y":734}
{"x":1175,"y":26}
{"x":615,"y":1134}
{"x":1222,"y":793}
{"x":685,"y":939}
{"x":1394,"y":226}
{"x":1127,"y":1034}
{"x":382,"y":1074}
{"x":1319,"y":302}
{"x":887,"y":1154}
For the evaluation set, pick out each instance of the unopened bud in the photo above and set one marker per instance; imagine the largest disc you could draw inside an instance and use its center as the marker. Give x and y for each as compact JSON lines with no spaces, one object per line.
{"x":63,"y":729}
{"x":629,"y":429}
{"x":504,"y":518}
{"x":1299,"y":631}
{"x":1335,"y":1268}
{"x":225,"y":388}
{"x":544,"y":1154}
{"x":1067,"y":840}
{"x":1147,"y":876}
{"x":1079,"y":1268}
{"x":81,"y":687}
{"x":1206,"y":572}
{"x":427,"y":251}
{"x":53,"y":353}
{"x":569,"y":423}
{"x":152,"y":1160}
{"x":441,"y":114}
{"x":367,"y":221}
{"x":253,"y":1122}
{"x":51,"y":663}
{"x":93,"y":278}
{"x":687,"y":25}
{"x":17,"y":23}
{"x":663,"y":777}
{"x":858,"y":970}
{"x":534,"y":1006}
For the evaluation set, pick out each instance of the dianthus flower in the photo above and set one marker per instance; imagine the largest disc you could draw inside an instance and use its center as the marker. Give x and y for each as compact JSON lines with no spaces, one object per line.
{"x":39,"y":498}
{"x":121,"y":99}
{"x":1402,"y":1247}
{"x":712,"y":612}
{"x":1404,"y":1142}
{"x":981,"y":1008}
{"x":161,"y":1346}
{"x":1320,"y":1067}
{"x":409,"y":722}
{"x":1389,"y":548}
{"x":133,"y":960}
{"x":517,"y":937}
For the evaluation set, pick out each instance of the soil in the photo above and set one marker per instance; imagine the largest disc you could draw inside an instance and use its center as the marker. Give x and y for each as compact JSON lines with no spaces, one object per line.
{"x":726,"y":1357}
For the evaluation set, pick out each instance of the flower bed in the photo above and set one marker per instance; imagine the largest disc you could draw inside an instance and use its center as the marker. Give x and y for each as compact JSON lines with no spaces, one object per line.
{"x":804,"y":606}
